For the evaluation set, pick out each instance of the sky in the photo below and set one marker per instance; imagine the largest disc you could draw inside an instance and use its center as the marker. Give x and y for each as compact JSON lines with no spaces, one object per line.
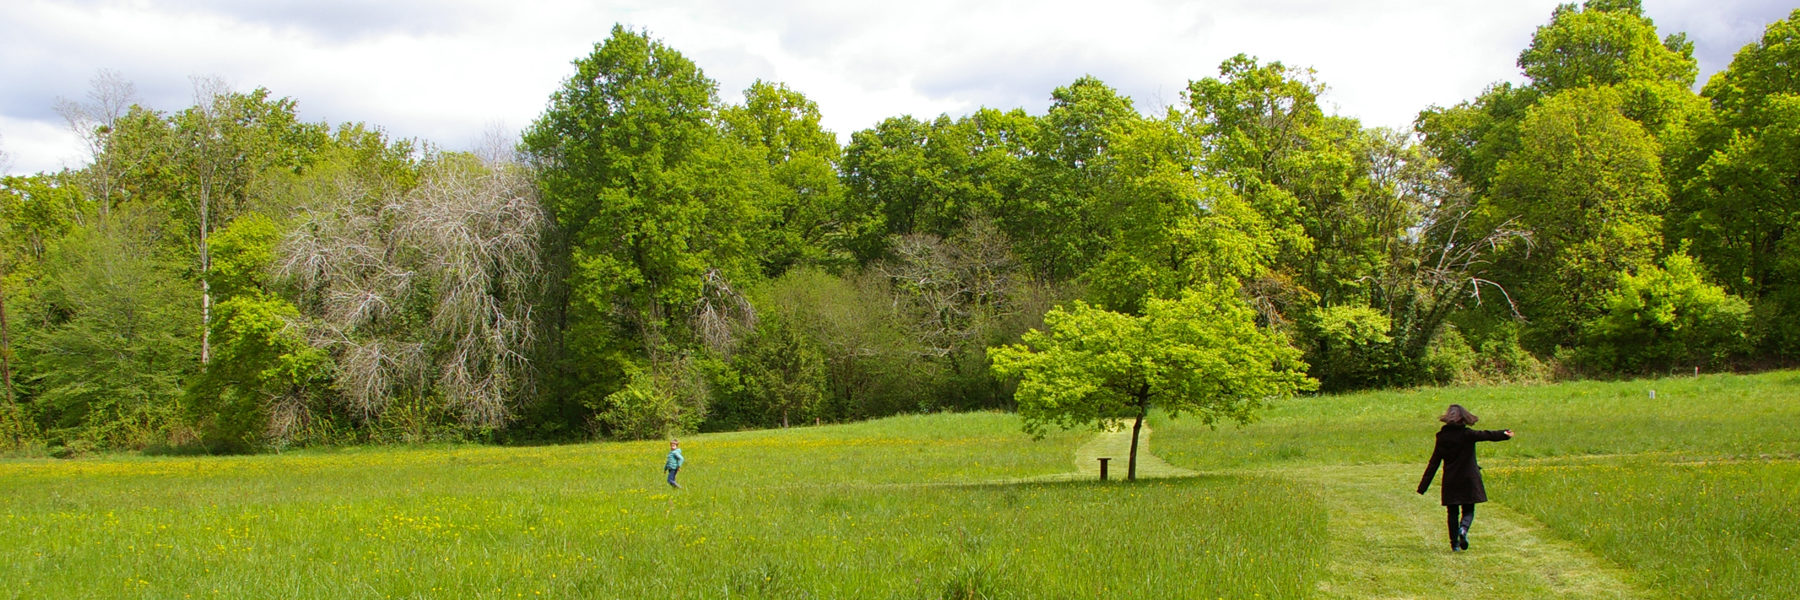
{"x":453,"y":72}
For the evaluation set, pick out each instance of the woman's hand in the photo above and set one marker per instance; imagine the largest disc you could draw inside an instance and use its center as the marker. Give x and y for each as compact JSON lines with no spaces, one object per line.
{"x":1508,"y":433}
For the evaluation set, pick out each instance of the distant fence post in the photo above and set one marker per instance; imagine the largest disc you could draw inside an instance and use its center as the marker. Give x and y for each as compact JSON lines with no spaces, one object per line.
{"x":1103,"y":467}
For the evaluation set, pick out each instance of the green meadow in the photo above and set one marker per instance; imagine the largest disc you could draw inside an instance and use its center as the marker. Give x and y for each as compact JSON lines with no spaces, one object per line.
{"x":1605,"y":493}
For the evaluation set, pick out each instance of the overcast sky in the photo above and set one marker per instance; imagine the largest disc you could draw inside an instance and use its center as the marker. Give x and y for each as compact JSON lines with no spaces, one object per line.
{"x":447,"y":71}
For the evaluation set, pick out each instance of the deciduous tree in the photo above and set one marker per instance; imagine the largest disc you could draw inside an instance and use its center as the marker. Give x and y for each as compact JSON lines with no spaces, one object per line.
{"x":1201,"y":354}
{"x":651,"y":202}
{"x":1587,"y":181}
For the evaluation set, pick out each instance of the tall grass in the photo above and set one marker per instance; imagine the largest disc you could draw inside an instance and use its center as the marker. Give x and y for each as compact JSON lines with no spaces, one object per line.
{"x":890,"y":509}
{"x":1698,"y":530}
{"x":1695,"y":417}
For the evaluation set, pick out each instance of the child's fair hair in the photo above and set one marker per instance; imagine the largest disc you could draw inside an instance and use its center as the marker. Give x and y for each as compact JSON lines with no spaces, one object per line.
{"x":1457,"y":415}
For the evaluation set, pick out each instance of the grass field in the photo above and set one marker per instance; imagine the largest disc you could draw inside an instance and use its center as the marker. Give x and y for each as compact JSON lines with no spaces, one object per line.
{"x":1604,"y":494}
{"x":1685,"y":495}
{"x":1699,"y":529}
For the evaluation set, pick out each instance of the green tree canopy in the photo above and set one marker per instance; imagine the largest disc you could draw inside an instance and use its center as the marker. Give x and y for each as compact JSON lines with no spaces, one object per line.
{"x":803,"y":198}
{"x":1587,"y":181}
{"x":1739,"y":205}
{"x":1201,"y":354}
{"x":1604,"y":42}
{"x":654,"y":204}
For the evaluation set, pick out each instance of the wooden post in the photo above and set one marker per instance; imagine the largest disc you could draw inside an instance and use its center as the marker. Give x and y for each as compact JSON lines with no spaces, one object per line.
{"x":1103,"y":460}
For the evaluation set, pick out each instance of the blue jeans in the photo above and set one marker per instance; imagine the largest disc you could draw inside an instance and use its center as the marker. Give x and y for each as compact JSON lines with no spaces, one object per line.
{"x":672,"y":477}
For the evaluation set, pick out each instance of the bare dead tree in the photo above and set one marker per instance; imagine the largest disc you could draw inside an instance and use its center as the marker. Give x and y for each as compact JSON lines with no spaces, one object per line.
{"x":948,"y":287}
{"x":1450,"y":253}
{"x":109,"y":96}
{"x":465,"y":244}
{"x":721,"y":316}
{"x":481,"y":232}
{"x":351,"y":286}
{"x":498,"y":147}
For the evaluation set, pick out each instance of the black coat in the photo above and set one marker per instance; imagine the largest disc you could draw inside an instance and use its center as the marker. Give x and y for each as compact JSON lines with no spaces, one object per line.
{"x":1462,"y":476}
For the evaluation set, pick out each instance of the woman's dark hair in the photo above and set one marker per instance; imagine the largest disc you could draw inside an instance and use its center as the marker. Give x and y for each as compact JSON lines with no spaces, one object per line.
{"x":1457,"y":415}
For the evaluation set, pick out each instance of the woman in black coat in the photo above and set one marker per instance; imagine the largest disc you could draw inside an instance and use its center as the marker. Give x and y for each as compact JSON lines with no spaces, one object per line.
{"x":1462,"y":488}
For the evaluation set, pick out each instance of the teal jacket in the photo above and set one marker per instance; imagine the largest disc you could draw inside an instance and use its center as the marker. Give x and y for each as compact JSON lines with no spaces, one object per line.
{"x":674,"y":460}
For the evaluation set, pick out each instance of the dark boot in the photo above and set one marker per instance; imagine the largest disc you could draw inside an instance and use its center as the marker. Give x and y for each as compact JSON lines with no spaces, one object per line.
{"x":1462,"y":531}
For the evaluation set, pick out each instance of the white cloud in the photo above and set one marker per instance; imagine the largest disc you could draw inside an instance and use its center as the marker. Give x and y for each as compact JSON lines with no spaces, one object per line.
{"x":449,"y":71}
{"x":33,"y":146}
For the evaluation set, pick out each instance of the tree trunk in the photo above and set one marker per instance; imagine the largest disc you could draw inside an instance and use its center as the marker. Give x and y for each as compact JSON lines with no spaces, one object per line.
{"x":5,"y":346}
{"x":205,"y":274}
{"x":1143,"y":409}
{"x":205,"y":322}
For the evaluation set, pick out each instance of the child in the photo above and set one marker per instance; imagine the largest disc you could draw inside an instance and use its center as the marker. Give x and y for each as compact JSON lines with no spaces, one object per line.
{"x":674,"y":462}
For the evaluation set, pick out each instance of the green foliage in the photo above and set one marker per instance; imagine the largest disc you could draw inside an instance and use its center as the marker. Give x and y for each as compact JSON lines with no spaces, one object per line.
{"x":726,"y":266}
{"x":1350,"y":344}
{"x":803,"y":201}
{"x":1610,"y":43}
{"x":659,"y":399}
{"x":872,"y":366}
{"x":1605,"y":42}
{"x":906,"y":176}
{"x":243,"y":253}
{"x":1496,"y":359}
{"x":106,"y":363}
{"x":956,"y":297}
{"x":1667,"y":317}
{"x":264,"y":385}
{"x":1472,"y":137}
{"x":1270,"y":138}
{"x":1058,"y":219}
{"x":783,"y":374}
{"x":637,"y":175}
{"x":265,"y":382}
{"x":1737,"y":205}
{"x":1167,"y":228}
{"x":1449,"y":359}
{"x":35,"y":211}
{"x":1587,"y":181}
{"x":654,"y":207}
{"x":1201,"y":354}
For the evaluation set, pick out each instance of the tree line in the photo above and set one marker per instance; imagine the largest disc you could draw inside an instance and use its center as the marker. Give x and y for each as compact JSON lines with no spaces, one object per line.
{"x":649,"y":258}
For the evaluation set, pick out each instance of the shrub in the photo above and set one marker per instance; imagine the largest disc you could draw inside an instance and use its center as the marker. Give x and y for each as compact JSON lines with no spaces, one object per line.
{"x":1666,"y":317}
{"x":1349,"y":347}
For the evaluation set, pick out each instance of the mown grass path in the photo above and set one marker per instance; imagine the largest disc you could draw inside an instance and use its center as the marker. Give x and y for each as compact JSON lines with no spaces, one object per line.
{"x":1115,"y":444}
{"x":1388,"y":542}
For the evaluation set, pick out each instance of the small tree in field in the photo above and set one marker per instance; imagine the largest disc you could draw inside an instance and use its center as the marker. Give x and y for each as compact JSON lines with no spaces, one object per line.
{"x":1200,"y":354}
